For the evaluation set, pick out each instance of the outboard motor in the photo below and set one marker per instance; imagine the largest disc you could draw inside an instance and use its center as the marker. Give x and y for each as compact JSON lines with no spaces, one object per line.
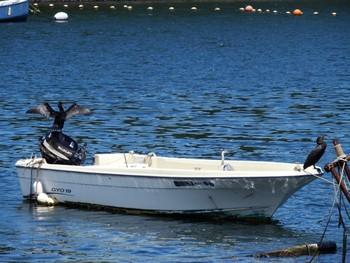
{"x":58,"y":148}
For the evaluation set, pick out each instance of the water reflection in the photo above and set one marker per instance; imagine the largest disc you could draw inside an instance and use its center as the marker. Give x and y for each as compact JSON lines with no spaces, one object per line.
{"x":62,"y":232}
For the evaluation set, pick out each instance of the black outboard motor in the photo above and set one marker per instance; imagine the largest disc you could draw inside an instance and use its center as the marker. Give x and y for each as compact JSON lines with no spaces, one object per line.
{"x":58,"y":148}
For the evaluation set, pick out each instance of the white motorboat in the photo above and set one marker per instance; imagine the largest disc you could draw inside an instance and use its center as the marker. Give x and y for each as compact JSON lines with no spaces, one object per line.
{"x":163,"y":185}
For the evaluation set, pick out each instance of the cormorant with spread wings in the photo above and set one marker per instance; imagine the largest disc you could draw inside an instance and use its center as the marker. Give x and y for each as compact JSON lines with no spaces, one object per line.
{"x":60,"y":116}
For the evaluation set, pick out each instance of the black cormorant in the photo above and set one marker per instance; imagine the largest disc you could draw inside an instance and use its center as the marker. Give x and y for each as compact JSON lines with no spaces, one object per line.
{"x":59,"y":116}
{"x":316,"y":154}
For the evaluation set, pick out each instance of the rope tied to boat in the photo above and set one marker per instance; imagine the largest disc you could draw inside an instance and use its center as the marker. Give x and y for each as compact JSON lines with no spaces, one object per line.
{"x":32,"y":165}
{"x":40,"y":163}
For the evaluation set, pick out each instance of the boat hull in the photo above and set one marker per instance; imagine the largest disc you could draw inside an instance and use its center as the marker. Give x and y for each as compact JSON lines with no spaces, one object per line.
{"x":14,"y":10}
{"x":166,"y":191}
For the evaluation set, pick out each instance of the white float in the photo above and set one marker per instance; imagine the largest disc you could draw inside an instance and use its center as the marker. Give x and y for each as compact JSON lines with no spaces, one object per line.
{"x":61,"y":17}
{"x":37,"y":188}
{"x":45,"y":199}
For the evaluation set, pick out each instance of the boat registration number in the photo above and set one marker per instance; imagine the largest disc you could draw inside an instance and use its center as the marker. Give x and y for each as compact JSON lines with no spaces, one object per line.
{"x":61,"y":190}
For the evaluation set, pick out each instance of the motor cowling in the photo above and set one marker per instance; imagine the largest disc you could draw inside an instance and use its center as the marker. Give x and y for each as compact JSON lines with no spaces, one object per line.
{"x":58,"y":148}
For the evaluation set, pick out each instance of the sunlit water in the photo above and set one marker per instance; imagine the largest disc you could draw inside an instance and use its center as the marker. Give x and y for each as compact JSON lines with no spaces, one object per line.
{"x":184,"y":84}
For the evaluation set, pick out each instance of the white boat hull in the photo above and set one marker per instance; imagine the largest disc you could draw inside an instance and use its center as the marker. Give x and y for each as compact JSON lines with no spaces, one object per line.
{"x":168,"y":185}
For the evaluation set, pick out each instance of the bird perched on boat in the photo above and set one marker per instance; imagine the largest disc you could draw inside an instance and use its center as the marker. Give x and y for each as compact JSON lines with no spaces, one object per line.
{"x":60,"y":116}
{"x":316,"y":154}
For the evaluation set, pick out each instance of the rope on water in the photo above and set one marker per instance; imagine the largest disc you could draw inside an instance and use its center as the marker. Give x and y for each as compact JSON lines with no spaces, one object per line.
{"x":34,"y":10}
{"x":335,"y":202}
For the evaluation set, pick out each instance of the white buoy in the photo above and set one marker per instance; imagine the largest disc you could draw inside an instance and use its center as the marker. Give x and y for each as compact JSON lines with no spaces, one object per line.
{"x":95,"y":7}
{"x":193,"y":8}
{"x":37,"y":188}
{"x":45,"y":199}
{"x":61,"y":16}
{"x":65,"y":6}
{"x":217,"y":9}
{"x":171,"y":8}
{"x":81,"y":6}
{"x":334,"y":14}
{"x":129,"y":7}
{"x":150,"y":8}
{"x":112,"y":7}
{"x":51,"y":5}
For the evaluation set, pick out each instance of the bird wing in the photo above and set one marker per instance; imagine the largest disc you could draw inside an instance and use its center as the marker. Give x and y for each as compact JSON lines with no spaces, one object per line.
{"x":315,"y":155}
{"x":43,"y":109}
{"x":75,"y":109}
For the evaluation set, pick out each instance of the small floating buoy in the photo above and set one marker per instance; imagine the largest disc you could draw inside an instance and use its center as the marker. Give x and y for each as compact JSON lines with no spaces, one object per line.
{"x":51,"y":5}
{"x":248,"y":8}
{"x":297,"y":12}
{"x":334,"y":14}
{"x":275,"y":12}
{"x":112,"y":7}
{"x":81,"y":6}
{"x":171,"y":8}
{"x":150,"y":8}
{"x":95,"y":7}
{"x":267,"y":10}
{"x":45,"y":199}
{"x":65,"y":6}
{"x":259,"y":10}
{"x":36,"y":4}
{"x":288,"y":13}
{"x":129,"y":7}
{"x":315,"y":13}
{"x":241,"y":9}
{"x":193,"y":8}
{"x":61,"y":16}
{"x":217,"y":9}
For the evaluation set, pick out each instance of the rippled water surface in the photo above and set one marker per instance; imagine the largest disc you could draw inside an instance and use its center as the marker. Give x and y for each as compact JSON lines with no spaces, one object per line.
{"x":180,"y":83}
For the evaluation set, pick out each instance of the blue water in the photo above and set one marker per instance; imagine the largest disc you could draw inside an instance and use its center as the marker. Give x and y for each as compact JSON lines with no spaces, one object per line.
{"x":189,"y":84}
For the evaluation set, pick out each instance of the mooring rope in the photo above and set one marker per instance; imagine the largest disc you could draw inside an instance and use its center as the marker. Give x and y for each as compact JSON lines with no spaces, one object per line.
{"x":40,"y":163}
{"x":32,"y":164}
{"x":37,"y":12}
{"x":321,"y":178}
{"x":328,"y":220}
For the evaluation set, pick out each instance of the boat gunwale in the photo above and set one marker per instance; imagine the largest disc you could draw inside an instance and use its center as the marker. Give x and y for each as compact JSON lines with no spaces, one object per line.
{"x":175,"y":173}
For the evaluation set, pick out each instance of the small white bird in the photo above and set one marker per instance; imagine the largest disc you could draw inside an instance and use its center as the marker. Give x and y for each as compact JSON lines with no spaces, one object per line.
{"x":225,"y":166}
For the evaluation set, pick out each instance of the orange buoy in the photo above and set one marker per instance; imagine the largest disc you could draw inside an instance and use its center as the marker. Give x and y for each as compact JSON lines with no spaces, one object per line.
{"x":297,"y":12}
{"x":248,"y":8}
